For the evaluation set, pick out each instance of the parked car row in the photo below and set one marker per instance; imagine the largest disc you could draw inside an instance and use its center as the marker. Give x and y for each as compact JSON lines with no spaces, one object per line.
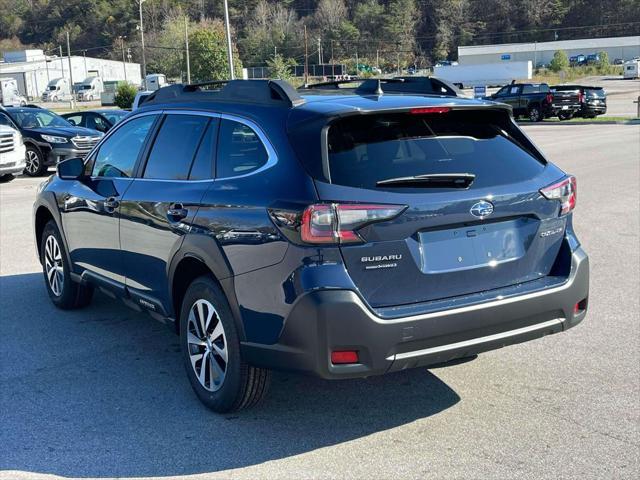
{"x":44,"y":138}
{"x":538,"y":101}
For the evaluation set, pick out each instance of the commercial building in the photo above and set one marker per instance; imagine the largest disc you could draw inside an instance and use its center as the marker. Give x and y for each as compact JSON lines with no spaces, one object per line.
{"x":33,"y":69}
{"x":625,"y":48}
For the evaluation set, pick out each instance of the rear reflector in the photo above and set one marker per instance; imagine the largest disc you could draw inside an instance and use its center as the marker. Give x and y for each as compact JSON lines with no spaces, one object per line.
{"x":338,"y":222}
{"x":565,"y":191}
{"x":344,"y":356}
{"x":419,"y":111}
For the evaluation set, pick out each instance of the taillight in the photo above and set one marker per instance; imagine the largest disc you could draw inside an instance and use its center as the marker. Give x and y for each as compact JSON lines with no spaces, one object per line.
{"x":565,"y":191}
{"x":549,"y":98}
{"x":420,"y":111}
{"x":337,"y":222}
{"x":581,"y":97}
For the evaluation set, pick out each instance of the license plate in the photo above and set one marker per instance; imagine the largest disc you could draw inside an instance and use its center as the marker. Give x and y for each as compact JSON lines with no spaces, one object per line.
{"x":565,"y":107}
{"x":475,"y":247}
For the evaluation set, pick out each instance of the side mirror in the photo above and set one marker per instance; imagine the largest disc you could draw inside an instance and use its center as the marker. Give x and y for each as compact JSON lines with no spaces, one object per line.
{"x":71,"y":169}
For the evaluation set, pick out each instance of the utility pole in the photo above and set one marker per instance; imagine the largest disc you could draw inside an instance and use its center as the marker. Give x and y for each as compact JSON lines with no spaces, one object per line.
{"x":306,"y":57}
{"x":378,"y":59}
{"x":357,"y":62}
{"x":319,"y":51}
{"x":232,"y":75}
{"x":144,"y":60}
{"x":186,"y":45}
{"x":398,"y":60}
{"x":70,"y":69}
{"x":61,"y":62}
{"x":124,"y":64}
{"x":333,"y":62}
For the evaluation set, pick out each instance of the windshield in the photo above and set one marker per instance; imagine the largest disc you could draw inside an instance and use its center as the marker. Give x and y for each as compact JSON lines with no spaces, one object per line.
{"x":39,"y":118}
{"x":85,"y":87}
{"x":367,"y":149}
{"x":53,"y":87}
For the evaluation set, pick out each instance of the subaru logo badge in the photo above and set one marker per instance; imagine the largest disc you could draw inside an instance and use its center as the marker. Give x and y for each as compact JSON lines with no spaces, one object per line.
{"x":482,"y":209}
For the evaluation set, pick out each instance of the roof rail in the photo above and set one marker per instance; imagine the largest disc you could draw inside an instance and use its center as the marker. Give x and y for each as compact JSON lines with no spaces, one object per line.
{"x":263,"y":92}
{"x":329,"y":84}
{"x":367,"y":86}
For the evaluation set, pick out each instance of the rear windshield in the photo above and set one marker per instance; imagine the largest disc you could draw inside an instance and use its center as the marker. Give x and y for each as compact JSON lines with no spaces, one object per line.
{"x":363,"y":150}
{"x":594,"y":92}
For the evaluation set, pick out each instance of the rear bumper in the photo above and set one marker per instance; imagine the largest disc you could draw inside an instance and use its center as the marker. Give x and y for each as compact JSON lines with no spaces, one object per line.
{"x":327,"y":320}
{"x":593,"y":110}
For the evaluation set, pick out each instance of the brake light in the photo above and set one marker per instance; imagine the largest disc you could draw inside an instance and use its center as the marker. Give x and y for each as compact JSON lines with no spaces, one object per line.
{"x":420,"y":111}
{"x":565,"y":191}
{"x":337,"y":223}
{"x":549,"y":98}
{"x":581,"y":97}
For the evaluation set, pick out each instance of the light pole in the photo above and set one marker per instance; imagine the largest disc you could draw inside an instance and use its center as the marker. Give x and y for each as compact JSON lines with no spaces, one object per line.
{"x":144,"y":60}
{"x":228,"y":29}
{"x":124,"y":64}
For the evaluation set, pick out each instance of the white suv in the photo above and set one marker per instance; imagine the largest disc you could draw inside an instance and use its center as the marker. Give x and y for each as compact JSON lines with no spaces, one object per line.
{"x":12,"y":152}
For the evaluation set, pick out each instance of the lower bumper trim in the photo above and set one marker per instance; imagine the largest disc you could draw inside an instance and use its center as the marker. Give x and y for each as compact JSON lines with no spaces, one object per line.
{"x":477,"y":341}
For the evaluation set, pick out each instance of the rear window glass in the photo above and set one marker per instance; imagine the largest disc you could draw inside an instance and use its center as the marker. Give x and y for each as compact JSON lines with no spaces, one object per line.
{"x":594,"y":93}
{"x":365,"y":149}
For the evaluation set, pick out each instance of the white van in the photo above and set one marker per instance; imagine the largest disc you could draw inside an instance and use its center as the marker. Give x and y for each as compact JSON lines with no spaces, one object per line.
{"x":155,"y":81}
{"x":631,"y":69}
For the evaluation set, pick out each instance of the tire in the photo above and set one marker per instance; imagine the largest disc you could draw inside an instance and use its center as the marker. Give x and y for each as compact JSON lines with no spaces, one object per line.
{"x":222,"y":386}
{"x":35,"y":166}
{"x":534,"y":114}
{"x":7,"y":177}
{"x":565,"y":115}
{"x":63,"y":291}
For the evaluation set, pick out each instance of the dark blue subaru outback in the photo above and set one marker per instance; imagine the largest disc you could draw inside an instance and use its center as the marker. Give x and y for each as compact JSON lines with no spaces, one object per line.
{"x":338,"y":235}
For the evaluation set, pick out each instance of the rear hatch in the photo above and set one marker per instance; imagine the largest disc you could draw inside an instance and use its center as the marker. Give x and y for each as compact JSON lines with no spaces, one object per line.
{"x":595,"y":96}
{"x":481,"y":225}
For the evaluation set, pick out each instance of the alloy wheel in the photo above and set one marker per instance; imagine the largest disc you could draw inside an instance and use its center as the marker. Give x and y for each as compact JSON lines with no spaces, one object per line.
{"x":53,"y":265}
{"x":207,"y":345}
{"x":33,"y":162}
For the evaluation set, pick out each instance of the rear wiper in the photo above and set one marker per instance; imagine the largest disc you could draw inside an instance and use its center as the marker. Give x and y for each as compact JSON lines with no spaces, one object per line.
{"x":433,"y":180}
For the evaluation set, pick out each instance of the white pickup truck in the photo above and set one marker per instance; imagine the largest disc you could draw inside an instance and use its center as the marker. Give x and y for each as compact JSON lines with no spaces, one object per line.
{"x":12,"y":153}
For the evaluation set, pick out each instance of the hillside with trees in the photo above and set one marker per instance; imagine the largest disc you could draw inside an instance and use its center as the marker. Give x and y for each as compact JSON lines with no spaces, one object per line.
{"x":379,"y":32}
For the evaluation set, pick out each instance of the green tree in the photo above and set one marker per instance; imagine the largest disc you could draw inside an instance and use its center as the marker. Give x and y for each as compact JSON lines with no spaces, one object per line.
{"x":559,"y":62}
{"x":125,"y":95}
{"x":208,"y":53}
{"x":280,"y":67}
{"x":603,"y":63}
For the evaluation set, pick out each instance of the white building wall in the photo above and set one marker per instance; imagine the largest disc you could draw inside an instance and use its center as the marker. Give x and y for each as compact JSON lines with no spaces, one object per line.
{"x":616,"y":47}
{"x":33,"y":76}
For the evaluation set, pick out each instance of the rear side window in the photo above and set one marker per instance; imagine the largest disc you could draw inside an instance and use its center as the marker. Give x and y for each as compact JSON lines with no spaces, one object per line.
{"x":175,"y":147}
{"x":118,"y":154}
{"x":240,"y":150}
{"x":365,"y":149}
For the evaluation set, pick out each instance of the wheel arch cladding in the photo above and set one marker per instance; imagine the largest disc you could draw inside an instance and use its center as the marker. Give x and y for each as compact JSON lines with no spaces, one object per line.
{"x":42,"y":217}
{"x":186,"y":270}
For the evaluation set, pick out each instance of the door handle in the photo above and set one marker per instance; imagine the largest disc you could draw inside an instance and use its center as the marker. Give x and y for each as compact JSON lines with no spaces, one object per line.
{"x":177,"y":212}
{"x":111,"y":203}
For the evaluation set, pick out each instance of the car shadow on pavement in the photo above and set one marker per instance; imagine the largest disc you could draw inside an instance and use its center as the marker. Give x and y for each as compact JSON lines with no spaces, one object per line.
{"x":102,"y":392}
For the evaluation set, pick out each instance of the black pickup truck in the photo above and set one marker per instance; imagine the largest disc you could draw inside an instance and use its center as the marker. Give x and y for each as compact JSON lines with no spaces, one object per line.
{"x":537,"y":101}
{"x":593,"y":100}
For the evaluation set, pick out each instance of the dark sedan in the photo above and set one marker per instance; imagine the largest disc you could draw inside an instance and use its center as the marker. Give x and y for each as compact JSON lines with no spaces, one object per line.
{"x":48,"y":138}
{"x":101,"y":120}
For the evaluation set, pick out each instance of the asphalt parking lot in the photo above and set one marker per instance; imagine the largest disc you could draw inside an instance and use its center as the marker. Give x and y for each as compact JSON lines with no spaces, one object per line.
{"x":102,"y":393}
